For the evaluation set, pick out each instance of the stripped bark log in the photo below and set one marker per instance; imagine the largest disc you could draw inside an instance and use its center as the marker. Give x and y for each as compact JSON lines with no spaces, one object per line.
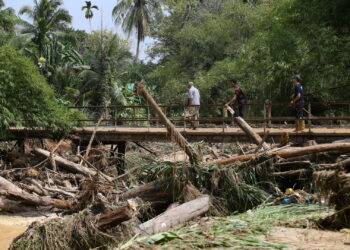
{"x":175,"y":135}
{"x":60,"y":191}
{"x":289,"y":153}
{"x":250,"y":132}
{"x":175,"y":216}
{"x":39,"y":186}
{"x":71,"y":166}
{"x":11,"y":190}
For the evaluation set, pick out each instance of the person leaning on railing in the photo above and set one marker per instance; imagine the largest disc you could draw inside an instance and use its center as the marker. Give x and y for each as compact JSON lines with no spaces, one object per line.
{"x":298,"y":101}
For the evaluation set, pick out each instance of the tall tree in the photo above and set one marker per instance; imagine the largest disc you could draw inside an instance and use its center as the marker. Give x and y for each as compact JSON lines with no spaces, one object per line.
{"x":47,"y":18}
{"x":136,"y":15}
{"x":7,"y":18}
{"x":108,"y":56}
{"x":88,"y":11}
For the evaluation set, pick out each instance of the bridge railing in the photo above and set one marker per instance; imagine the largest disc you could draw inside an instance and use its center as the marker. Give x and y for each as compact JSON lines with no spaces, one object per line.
{"x":214,"y":114}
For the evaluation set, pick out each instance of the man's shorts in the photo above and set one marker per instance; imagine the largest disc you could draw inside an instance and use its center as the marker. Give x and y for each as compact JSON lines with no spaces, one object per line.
{"x":191,"y":111}
{"x":299,"y":109}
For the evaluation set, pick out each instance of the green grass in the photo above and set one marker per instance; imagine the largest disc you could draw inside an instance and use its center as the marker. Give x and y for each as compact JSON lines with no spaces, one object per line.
{"x":241,"y":231}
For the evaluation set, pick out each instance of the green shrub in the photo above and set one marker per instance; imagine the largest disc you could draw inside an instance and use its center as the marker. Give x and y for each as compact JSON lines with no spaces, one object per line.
{"x":25,"y":97}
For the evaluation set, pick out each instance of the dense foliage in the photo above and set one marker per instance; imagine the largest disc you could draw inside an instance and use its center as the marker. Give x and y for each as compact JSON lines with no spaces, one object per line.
{"x":262,"y":43}
{"x":26,"y":98}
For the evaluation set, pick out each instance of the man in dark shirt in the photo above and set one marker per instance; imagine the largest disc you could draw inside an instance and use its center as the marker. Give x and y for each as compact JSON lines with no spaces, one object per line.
{"x":298,"y":101}
{"x":238,"y":99}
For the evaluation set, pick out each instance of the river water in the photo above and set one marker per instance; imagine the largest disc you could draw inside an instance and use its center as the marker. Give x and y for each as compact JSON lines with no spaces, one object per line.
{"x":13,"y":225}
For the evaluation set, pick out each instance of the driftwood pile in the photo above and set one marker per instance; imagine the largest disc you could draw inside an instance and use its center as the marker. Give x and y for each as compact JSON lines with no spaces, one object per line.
{"x":101,"y":211}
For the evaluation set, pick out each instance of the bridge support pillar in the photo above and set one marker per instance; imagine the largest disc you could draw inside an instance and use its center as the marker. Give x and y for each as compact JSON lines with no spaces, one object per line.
{"x":22,"y":145}
{"x":121,"y":146}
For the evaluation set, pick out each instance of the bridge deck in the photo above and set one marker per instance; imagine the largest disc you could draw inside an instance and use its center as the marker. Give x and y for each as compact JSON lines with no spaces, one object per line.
{"x":232,"y":134}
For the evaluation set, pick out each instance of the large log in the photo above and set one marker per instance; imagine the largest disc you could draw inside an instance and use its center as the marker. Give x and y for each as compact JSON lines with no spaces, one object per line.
{"x":9,"y":189}
{"x":157,"y":191}
{"x":14,"y":206}
{"x":249,"y":131}
{"x":113,"y":218}
{"x":290,"y":153}
{"x":175,"y":216}
{"x":71,"y":166}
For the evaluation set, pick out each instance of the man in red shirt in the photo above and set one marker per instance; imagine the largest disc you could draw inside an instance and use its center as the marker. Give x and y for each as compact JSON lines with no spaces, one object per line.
{"x":238,"y":99}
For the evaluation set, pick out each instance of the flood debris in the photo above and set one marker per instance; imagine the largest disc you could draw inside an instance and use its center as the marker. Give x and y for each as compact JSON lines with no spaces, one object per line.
{"x":96,"y":226}
{"x":103,"y":208}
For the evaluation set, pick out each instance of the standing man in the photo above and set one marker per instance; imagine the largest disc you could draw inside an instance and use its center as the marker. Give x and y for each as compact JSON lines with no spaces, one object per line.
{"x":238,"y":98}
{"x":193,"y":103}
{"x":298,"y":101}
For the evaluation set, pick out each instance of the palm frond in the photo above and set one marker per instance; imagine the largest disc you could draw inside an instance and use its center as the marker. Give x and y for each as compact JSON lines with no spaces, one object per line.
{"x":28,"y":10}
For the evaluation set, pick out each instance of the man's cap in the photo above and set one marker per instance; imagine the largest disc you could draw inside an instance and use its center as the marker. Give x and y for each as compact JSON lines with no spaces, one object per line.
{"x":190,"y":83}
{"x":234,"y":80}
{"x":297,"y":77}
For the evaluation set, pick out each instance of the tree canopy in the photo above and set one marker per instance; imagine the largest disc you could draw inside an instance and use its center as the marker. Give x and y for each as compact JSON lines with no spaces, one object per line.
{"x":26,"y":99}
{"x":262,"y":43}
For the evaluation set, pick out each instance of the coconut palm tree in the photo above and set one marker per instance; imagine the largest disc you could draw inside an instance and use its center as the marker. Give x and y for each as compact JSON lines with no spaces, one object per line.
{"x":88,"y":11}
{"x":136,"y":15}
{"x":47,"y":18}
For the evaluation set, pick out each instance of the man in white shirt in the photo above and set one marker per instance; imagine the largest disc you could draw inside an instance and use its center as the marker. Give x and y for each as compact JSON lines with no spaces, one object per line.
{"x":193,"y":103}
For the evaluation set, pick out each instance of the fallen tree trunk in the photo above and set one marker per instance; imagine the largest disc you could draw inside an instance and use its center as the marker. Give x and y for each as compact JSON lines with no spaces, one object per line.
{"x":113,"y":218}
{"x":14,"y":206}
{"x":71,"y":166}
{"x":175,"y":216}
{"x":290,"y":153}
{"x":250,"y":132}
{"x":174,"y":134}
{"x":11,"y":190}
{"x":157,"y":191}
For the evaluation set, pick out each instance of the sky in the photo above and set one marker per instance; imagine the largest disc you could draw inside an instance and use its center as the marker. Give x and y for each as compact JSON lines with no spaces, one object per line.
{"x":80,"y":22}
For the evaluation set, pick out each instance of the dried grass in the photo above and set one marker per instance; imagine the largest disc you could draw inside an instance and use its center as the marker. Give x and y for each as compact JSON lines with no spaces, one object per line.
{"x":78,"y":231}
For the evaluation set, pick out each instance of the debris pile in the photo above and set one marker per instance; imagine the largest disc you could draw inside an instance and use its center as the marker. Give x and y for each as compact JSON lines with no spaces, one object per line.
{"x":107,"y":209}
{"x":334,"y":185}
